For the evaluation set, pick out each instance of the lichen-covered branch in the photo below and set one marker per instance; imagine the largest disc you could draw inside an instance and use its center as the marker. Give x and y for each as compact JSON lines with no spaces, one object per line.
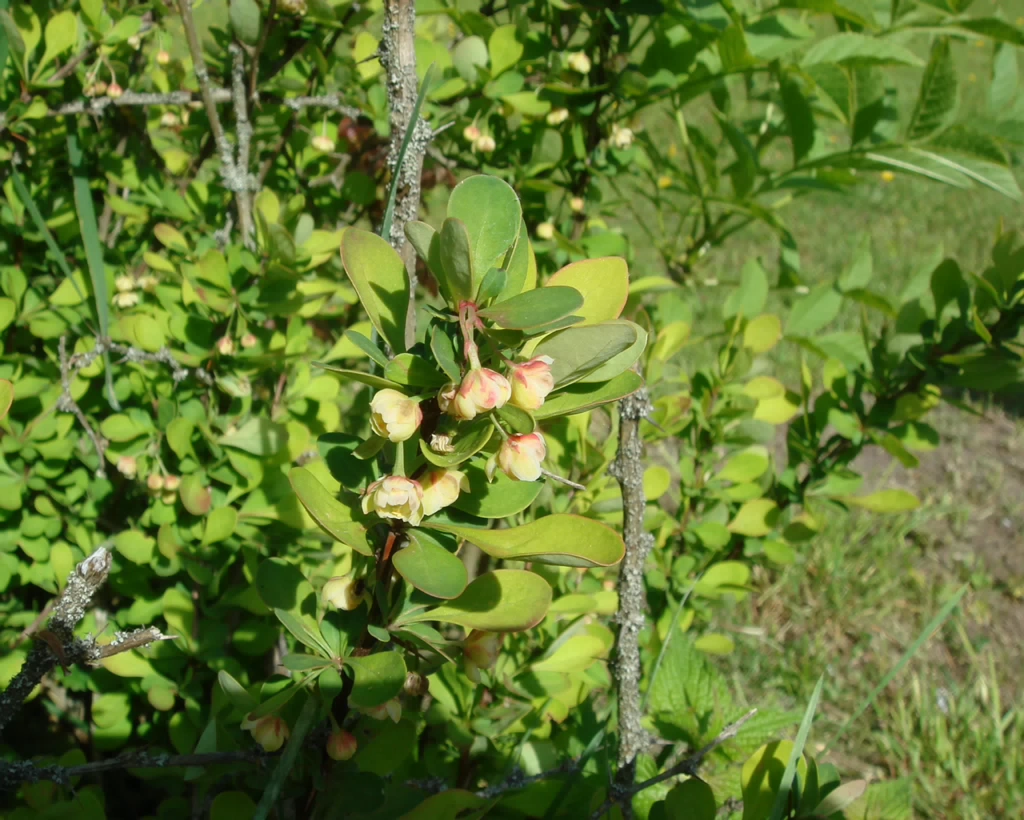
{"x":70,"y":365}
{"x":628,"y":469}
{"x":57,"y":642}
{"x":398,"y":56}
{"x":100,"y":105}
{"x":13,"y":775}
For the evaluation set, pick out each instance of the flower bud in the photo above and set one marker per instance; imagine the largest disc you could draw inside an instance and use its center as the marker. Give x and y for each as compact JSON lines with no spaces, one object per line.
{"x":249,"y":341}
{"x":296,"y":7}
{"x":531,"y":382}
{"x":394,"y":416}
{"x":270,"y":731}
{"x":579,"y":62}
{"x":577,"y":204}
{"x":148,"y":282}
{"x":127,"y":466}
{"x":557,"y":116}
{"x":545,"y":230}
{"x":520,"y":457}
{"x":621,"y":137}
{"x":171,"y":483}
{"x":323,"y":144}
{"x":480,"y":650}
{"x":114,"y":90}
{"x":155,"y":482}
{"x":416,"y":685}
{"x":163,"y":57}
{"x":484,"y":144}
{"x":395,"y":496}
{"x":446,"y":395}
{"x":343,"y":592}
{"x":471,"y":133}
{"x":481,"y":390}
{"x":341,"y":745}
{"x":126,"y":300}
{"x":392,"y":709}
{"x":441,"y":488}
{"x":888,"y":176}
{"x":124,"y":284}
{"x":225,"y":346}
{"x":135,"y":41}
{"x":99,"y":88}
{"x":170,"y":120}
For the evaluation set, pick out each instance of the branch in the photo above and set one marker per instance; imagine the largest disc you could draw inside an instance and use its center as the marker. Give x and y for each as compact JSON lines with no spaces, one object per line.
{"x":100,"y":105}
{"x":628,"y":469}
{"x":12,"y":775}
{"x":58,"y":644}
{"x":244,"y":128}
{"x":70,"y":365}
{"x":398,"y":56}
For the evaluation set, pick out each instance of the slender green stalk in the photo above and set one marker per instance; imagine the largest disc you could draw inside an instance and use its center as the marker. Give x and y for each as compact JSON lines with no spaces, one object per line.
{"x":287,"y":759}
{"x":782,"y":798}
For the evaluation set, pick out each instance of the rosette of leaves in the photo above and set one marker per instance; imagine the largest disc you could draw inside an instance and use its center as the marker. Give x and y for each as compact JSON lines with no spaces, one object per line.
{"x":490,"y":315}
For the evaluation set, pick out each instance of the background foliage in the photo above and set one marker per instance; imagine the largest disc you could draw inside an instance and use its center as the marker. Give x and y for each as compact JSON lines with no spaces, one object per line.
{"x":687,"y":139}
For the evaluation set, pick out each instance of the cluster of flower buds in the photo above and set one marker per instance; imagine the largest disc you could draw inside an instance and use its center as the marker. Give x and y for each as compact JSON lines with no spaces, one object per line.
{"x":126,"y":295}
{"x":164,"y":486}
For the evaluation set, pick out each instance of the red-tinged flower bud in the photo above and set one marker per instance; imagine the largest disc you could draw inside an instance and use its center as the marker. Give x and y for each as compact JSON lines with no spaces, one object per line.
{"x":395,"y":496}
{"x":520,"y":457}
{"x":394,"y":416}
{"x":341,"y":745}
{"x":481,"y":390}
{"x":531,"y":382}
{"x":114,"y":91}
{"x":269,"y":731}
{"x":163,"y":57}
{"x":155,"y":482}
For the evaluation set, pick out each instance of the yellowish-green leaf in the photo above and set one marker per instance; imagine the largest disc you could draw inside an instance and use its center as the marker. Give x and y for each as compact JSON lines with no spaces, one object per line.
{"x":604,"y":284}
{"x":714,"y":643}
{"x":777,"y":410}
{"x":330,"y":514}
{"x":884,"y":501}
{"x":762,"y":333}
{"x":755,"y":518}
{"x":379,"y":277}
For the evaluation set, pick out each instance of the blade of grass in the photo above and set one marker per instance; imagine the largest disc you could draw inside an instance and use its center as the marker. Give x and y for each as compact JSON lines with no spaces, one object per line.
{"x":93,"y":250}
{"x":786,"y":785}
{"x":589,"y":752}
{"x":389,"y":213}
{"x":930,"y":628}
{"x":287,"y":760}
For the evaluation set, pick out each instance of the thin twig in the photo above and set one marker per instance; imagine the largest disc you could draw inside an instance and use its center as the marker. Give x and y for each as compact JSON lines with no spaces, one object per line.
{"x":628,"y":469}
{"x":254,"y":71}
{"x":13,"y":775}
{"x":58,"y":644}
{"x":71,"y":64}
{"x":99,"y":105}
{"x":70,"y":365}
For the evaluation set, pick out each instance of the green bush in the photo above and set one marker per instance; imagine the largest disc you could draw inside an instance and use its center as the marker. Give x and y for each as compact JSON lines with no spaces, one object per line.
{"x":344,"y":516}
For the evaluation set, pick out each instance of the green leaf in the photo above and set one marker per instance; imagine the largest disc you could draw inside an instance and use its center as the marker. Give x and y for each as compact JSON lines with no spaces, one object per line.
{"x":693,"y":799}
{"x":887,"y":800}
{"x":469,"y":55}
{"x":783,"y":796}
{"x":237,"y":694}
{"x":456,"y":260}
{"x":858,"y":275}
{"x":121,"y":428}
{"x":134,"y":545}
{"x":564,"y":540}
{"x":304,"y":629}
{"x":220,"y":524}
{"x":329,"y":513}
{"x":688,"y":696}
{"x":6,"y":397}
{"x":521,"y":273}
{"x":714,"y":643}
{"x":429,"y":567}
{"x":414,"y":371}
{"x":745,"y":466}
{"x":61,"y":35}
{"x":994,"y":28}
{"x":360,"y":376}
{"x":577,"y":351}
{"x":501,"y":499}
{"x":604,"y":284}
{"x":443,"y":348}
{"x":504,"y":48}
{"x":367,"y":347}
{"x":534,"y":308}
{"x":815,"y":310}
{"x":799,"y":118}
{"x":762,"y":776}
{"x":245,"y":20}
{"x":884,"y":501}
{"x":471,"y":440}
{"x":755,"y":518}
{"x":259,"y":436}
{"x":859,"y":49}
{"x":377,"y":678}
{"x":762,"y":333}
{"x":231,"y":805}
{"x":282,"y":585}
{"x":296,"y":741}
{"x":750,"y":297}
{"x":578,"y":398}
{"x":449,"y":803}
{"x":491,"y":212}
{"x":492,"y":286}
{"x":380,"y":279}
{"x":194,"y":496}
{"x":504,"y":600}
{"x":840,"y":798}
{"x":938,"y":97}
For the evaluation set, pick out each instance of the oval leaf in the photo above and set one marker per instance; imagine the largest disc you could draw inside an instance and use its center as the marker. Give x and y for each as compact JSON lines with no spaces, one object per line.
{"x":456,"y":260}
{"x":534,"y":308}
{"x":327,"y":511}
{"x":378,"y":678}
{"x":604,"y":284}
{"x":884,"y":501}
{"x":491,"y":213}
{"x":505,"y":600}
{"x":578,"y":398}
{"x":564,"y":540}
{"x":379,"y":277}
{"x":431,"y":568}
{"x":501,"y":499}
{"x":577,"y":351}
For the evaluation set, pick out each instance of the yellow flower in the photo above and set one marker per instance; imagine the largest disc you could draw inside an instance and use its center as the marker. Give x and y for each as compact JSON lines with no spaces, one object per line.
{"x":394,"y":416}
{"x":579,"y":62}
{"x":557,"y":116}
{"x":342,"y":592}
{"x":395,"y":496}
{"x":888,"y":176}
{"x":441,"y":488}
{"x":480,"y":650}
{"x":545,"y":230}
{"x":270,"y":731}
{"x":481,"y":390}
{"x":341,"y":745}
{"x":531,"y":382}
{"x":665,"y":181}
{"x":520,"y":457}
